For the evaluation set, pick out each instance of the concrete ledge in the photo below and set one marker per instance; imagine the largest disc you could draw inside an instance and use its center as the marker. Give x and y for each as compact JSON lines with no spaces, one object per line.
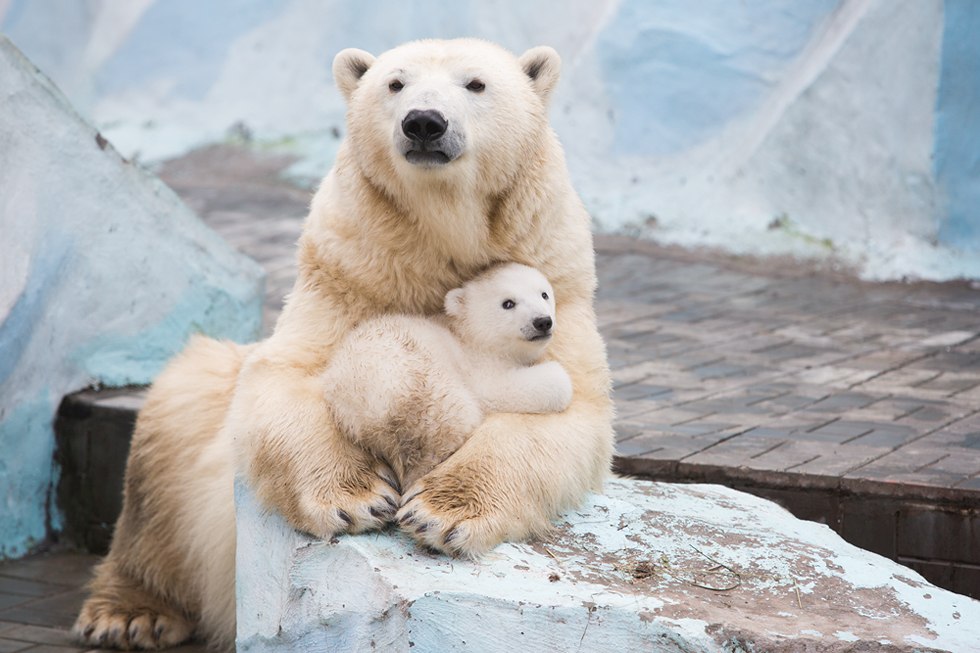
{"x":648,"y":566}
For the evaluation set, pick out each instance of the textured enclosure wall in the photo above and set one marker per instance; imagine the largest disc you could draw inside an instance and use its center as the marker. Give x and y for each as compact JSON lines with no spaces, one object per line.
{"x":103,"y":275}
{"x":832,"y":129}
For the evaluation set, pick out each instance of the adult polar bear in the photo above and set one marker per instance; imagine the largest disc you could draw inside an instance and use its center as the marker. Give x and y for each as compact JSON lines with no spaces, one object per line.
{"x":449,"y":167}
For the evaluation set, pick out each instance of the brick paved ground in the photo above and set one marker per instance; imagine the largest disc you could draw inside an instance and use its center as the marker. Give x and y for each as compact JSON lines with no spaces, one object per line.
{"x":39,"y":600}
{"x":792,"y":373}
{"x":856,"y":404}
{"x":243,"y":198}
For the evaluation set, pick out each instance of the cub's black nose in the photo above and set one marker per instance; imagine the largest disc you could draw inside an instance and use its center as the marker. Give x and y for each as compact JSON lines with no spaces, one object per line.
{"x":542,"y":324}
{"x":424,"y":126}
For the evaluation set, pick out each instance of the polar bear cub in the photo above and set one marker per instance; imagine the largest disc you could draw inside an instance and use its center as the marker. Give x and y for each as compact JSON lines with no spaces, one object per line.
{"x":413,"y":389}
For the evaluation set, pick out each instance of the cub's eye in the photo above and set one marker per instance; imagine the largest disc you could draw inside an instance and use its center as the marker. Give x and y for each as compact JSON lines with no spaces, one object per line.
{"x":395,"y":86}
{"x":476,"y":86}
{"x":508,"y":304}
{"x":544,"y":295}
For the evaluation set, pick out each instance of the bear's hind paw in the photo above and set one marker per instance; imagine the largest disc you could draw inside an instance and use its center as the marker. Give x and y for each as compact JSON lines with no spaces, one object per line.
{"x":107,"y":626}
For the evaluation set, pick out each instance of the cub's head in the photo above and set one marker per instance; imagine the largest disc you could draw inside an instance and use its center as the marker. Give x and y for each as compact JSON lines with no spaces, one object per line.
{"x":508,"y":310}
{"x":435,"y":110}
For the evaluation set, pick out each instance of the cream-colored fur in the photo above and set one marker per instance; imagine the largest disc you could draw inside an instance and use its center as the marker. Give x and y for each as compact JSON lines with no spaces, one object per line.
{"x":412,"y":389}
{"x":383,"y":236}
{"x":171,"y":568}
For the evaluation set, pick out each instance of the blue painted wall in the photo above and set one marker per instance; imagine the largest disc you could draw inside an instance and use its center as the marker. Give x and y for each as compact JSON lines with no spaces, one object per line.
{"x":27,"y":475}
{"x":206,"y":30}
{"x":692,"y":123}
{"x":678,"y":73}
{"x":957,"y":150}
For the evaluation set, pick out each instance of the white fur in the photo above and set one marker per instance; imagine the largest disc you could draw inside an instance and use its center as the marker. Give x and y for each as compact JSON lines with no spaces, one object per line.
{"x":412,"y":389}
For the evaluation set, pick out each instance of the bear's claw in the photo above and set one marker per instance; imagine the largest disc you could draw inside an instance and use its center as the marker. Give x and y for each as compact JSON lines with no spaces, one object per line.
{"x":103,"y":625}
{"x":431,"y":532}
{"x":447,"y":541}
{"x":388,"y":477}
{"x":384,"y":514}
{"x":370,"y":506}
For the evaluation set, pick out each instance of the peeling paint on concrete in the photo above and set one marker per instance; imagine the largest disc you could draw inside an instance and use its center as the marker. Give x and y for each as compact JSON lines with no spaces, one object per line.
{"x":629,"y":570}
{"x":26,"y":469}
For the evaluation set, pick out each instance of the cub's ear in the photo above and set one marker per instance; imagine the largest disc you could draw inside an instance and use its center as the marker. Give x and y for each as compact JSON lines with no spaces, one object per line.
{"x":543,"y":65}
{"x":348,"y":67}
{"x":455,"y":301}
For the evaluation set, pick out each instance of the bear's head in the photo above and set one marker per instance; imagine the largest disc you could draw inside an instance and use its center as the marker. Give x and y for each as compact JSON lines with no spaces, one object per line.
{"x":509,"y":310}
{"x":441,"y":111}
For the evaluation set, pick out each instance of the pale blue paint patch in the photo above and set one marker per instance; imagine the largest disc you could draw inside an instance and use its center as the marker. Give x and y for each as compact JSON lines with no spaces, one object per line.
{"x":117,"y":360}
{"x":51,"y":43}
{"x":404,"y":21}
{"x":957,"y":149}
{"x":47,"y":271}
{"x":11,"y":21}
{"x":206,"y":31}
{"x":677,"y":71}
{"x":26,"y":475}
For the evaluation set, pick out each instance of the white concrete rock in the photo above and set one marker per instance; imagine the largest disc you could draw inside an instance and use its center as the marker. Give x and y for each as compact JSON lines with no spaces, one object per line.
{"x":104,"y":273}
{"x":645,"y":567}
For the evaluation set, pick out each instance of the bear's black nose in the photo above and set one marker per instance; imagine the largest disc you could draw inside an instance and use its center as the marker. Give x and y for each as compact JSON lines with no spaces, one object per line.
{"x":542,"y":324}
{"x":424,"y":126}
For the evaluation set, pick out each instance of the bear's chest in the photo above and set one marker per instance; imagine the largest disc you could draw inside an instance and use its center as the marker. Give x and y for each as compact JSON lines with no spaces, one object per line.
{"x":421,"y":289}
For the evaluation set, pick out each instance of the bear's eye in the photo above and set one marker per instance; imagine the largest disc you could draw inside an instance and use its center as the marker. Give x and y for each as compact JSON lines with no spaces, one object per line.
{"x":508,"y":304}
{"x":395,"y":86}
{"x":476,"y":86}
{"x":544,"y":295}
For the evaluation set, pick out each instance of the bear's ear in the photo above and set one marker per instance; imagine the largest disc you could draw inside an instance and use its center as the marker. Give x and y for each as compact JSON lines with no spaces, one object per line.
{"x":543,"y":65}
{"x":348,"y":67}
{"x":455,"y":301}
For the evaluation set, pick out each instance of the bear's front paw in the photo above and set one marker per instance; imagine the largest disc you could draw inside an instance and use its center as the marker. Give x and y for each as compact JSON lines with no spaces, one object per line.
{"x":446,"y":513}
{"x":362,"y":502}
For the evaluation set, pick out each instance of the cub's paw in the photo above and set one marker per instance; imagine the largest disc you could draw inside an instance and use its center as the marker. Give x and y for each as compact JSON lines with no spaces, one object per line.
{"x":359,"y":502}
{"x":445,"y":513}
{"x":104,"y":625}
{"x":556,"y":385}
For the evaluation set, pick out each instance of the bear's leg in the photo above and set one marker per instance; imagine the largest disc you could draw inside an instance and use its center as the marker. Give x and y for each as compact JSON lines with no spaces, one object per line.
{"x":120,"y":614}
{"x":449,"y":415}
{"x":175,"y":536}
{"x":322,"y":483}
{"x":295,"y":458}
